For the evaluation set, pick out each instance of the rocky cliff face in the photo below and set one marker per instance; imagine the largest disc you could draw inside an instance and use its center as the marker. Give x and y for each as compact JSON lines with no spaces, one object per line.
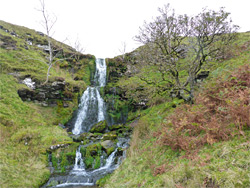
{"x":122,"y":68}
{"x":47,"y":95}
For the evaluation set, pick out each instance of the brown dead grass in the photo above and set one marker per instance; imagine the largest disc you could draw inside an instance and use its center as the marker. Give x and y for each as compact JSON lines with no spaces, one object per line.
{"x":221,"y":111}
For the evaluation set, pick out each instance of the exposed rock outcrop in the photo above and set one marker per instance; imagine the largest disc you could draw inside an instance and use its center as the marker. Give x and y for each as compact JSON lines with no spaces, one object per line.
{"x":47,"y":95}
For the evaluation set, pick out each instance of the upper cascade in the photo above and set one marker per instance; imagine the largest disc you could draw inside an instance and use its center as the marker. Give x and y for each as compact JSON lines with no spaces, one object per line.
{"x":92,"y":108}
{"x":100,"y":73}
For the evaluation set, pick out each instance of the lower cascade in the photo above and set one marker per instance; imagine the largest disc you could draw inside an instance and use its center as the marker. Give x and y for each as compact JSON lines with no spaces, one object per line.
{"x":100,"y":147}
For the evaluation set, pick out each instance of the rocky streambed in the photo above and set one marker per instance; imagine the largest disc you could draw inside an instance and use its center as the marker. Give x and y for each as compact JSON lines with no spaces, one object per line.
{"x":92,"y":156}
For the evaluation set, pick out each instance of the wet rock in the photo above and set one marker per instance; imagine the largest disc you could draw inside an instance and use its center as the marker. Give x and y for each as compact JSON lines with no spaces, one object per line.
{"x":93,"y":149}
{"x":107,"y":144}
{"x":109,"y":136}
{"x":80,"y":137}
{"x":119,"y":151}
{"x":99,"y":127}
{"x":115,"y":127}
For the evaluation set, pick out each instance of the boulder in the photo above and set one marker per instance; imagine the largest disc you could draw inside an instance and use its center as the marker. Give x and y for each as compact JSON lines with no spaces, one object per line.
{"x":110,"y":136}
{"x":80,"y":137}
{"x":108,"y":146}
{"x":99,"y":127}
{"x":115,"y":127}
{"x":26,"y":94}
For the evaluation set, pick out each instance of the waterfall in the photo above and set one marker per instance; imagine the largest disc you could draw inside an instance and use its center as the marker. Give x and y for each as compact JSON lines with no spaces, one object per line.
{"x":79,"y":164}
{"x":91,"y":110}
{"x":91,"y":107}
{"x":100,"y":73}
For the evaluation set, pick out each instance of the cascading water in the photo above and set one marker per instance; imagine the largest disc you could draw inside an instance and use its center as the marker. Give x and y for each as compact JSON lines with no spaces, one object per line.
{"x":91,"y":110}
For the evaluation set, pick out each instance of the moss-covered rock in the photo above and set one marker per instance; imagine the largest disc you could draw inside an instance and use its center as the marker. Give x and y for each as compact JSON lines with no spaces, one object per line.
{"x":116,"y":127}
{"x":99,"y":127}
{"x":109,"y":136}
{"x":94,"y":149}
{"x":79,"y":138}
{"x":63,"y":158}
{"x":91,"y":155}
{"x":108,"y":146}
{"x":110,"y":150}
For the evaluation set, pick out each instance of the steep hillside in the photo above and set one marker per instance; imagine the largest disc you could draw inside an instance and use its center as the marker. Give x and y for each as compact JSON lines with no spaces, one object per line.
{"x":32,"y":114}
{"x":205,"y":144}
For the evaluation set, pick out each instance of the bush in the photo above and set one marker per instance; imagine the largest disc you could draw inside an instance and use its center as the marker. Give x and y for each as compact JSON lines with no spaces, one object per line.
{"x":220,"y":112}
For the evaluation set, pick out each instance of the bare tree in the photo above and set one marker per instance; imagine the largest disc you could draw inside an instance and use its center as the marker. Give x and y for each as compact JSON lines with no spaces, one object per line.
{"x":164,"y":40}
{"x":48,"y":23}
{"x":55,"y":52}
{"x":79,"y":49}
{"x":210,"y":33}
{"x":178,"y":46}
{"x":123,"y":49}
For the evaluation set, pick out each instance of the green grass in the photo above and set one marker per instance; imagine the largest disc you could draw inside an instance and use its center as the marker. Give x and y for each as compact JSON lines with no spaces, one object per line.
{"x":227,"y":163}
{"x":25,"y":136}
{"x":150,"y":163}
{"x":27,"y":130}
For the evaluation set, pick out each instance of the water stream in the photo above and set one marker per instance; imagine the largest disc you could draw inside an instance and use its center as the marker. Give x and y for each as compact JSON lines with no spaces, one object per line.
{"x":91,"y":110}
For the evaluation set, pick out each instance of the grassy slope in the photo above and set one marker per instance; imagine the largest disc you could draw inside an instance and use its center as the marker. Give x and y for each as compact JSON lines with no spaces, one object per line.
{"x":151,"y":164}
{"x":27,"y":129}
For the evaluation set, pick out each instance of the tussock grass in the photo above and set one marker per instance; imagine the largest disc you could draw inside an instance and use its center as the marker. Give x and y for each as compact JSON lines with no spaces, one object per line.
{"x":219,"y":163}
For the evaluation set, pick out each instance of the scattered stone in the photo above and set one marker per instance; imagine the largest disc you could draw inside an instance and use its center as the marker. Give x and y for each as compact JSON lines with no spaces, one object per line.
{"x":54,"y":147}
{"x":65,"y":105}
{"x":13,"y":34}
{"x":61,"y":125}
{"x":29,"y":42}
{"x":40,"y":33}
{"x":15,"y":74}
